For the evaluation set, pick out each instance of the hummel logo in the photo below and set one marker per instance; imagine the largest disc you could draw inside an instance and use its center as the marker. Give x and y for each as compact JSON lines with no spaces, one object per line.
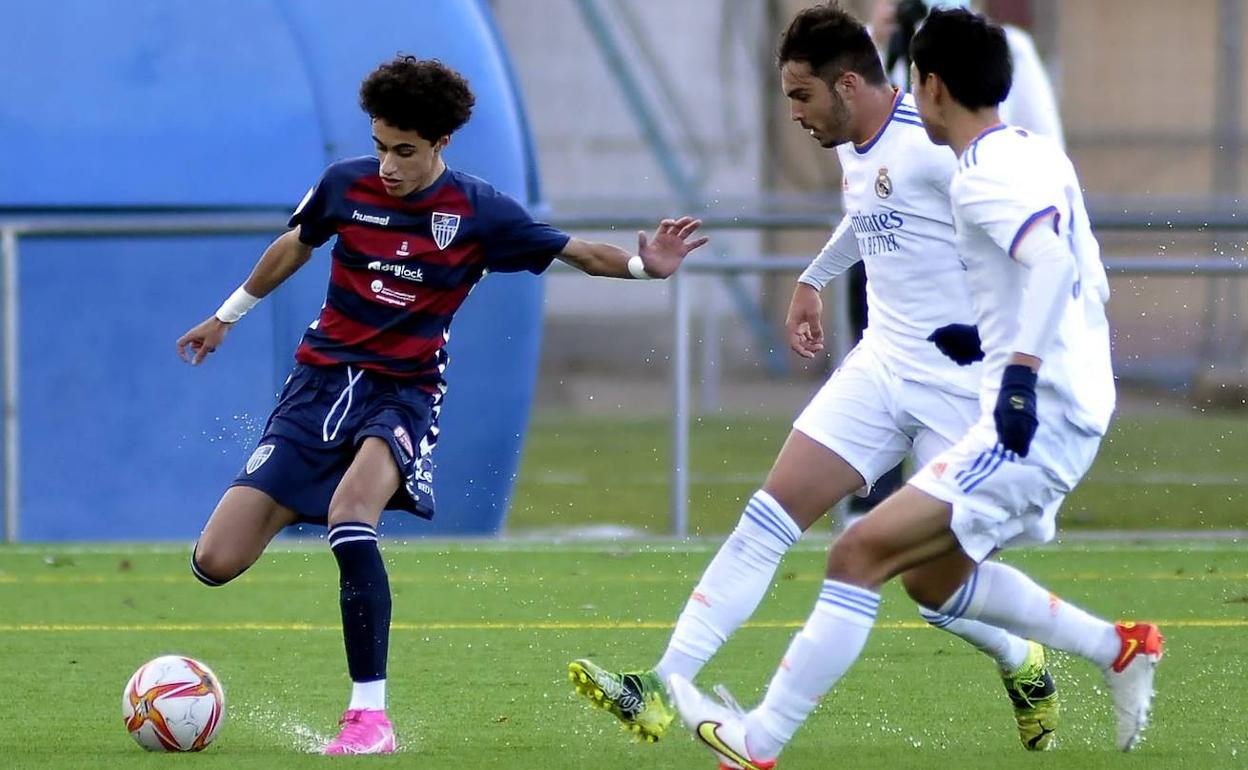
{"x":369,"y":218}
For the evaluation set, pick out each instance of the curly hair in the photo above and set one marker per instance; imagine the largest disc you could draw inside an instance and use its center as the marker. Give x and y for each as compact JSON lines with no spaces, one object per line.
{"x":421,"y":95}
{"x":832,"y":42}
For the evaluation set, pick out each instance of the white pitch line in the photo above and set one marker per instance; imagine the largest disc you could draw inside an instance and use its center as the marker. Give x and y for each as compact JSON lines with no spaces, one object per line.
{"x":557,"y":478}
{"x":1092,"y":541}
{"x":503,"y":578}
{"x":573,"y":625}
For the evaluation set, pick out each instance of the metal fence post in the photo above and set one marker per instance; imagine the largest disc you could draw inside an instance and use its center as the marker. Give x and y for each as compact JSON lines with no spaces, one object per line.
{"x":708,"y":394}
{"x":8,"y":264}
{"x":842,"y":342}
{"x":680,"y":404}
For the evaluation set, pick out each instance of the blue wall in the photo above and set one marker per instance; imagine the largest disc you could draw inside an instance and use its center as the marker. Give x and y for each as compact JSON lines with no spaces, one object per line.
{"x":224,"y":104}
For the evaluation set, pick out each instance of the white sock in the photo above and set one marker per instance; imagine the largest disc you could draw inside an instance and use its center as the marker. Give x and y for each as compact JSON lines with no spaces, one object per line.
{"x":370,"y":696}
{"x":1002,"y":596}
{"x":818,"y":656}
{"x":731,"y":588}
{"x":1005,"y":648}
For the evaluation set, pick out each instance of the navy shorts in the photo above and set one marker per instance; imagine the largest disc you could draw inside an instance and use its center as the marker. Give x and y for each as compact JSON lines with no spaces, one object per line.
{"x":323,"y":414}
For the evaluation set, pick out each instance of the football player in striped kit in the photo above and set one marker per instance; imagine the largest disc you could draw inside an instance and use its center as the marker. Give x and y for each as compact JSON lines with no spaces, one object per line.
{"x":356,"y":423}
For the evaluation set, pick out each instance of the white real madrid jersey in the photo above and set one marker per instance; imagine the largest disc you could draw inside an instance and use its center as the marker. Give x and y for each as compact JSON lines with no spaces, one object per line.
{"x":1009,"y":181}
{"x":896,"y":200}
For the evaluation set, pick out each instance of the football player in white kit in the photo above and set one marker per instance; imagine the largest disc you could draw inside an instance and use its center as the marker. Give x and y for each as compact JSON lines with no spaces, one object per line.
{"x":894,"y":394}
{"x":1038,"y":290}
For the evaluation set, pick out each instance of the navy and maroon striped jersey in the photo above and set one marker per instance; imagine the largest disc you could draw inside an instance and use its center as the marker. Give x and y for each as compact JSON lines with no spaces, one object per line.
{"x":403,"y":266}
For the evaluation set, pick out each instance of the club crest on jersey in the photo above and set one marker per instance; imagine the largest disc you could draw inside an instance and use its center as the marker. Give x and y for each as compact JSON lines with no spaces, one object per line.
{"x":259,"y":457}
{"x":883,"y":185}
{"x":444,"y":228}
{"x":405,"y":441}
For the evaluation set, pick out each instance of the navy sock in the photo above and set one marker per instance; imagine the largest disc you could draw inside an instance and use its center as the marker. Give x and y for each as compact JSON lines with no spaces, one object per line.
{"x":364,"y":592}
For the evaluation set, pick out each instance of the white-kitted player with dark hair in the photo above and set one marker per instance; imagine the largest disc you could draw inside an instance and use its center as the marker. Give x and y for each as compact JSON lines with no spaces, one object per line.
{"x":910,"y":387}
{"x":1038,"y":289}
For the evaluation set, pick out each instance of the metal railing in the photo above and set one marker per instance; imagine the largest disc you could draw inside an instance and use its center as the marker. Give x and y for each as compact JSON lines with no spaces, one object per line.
{"x":681,"y":366}
{"x":240,"y":224}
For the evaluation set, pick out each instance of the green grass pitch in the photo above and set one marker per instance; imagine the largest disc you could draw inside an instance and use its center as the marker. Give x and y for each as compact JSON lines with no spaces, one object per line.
{"x":1170,"y":471}
{"x":483,"y":634}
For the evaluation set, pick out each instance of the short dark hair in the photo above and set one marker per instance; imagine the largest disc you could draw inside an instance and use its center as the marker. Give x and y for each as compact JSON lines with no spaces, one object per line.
{"x":421,"y":95}
{"x":832,"y":42}
{"x":968,"y":52}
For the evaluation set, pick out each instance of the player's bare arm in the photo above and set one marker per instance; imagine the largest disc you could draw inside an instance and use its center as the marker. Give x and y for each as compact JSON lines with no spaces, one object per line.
{"x":804,"y":322}
{"x":280,"y":261}
{"x":1029,"y":361}
{"x":656,"y":257}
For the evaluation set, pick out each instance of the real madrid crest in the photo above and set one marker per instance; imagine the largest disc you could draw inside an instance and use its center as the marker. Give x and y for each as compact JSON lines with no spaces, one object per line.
{"x":883,"y":185}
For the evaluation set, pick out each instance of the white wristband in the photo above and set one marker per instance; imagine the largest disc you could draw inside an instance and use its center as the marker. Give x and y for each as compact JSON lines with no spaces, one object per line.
{"x":637,"y":269}
{"x":236,"y":306}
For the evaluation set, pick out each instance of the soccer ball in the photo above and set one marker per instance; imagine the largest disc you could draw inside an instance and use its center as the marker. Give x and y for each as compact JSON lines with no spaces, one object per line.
{"x":173,"y":703}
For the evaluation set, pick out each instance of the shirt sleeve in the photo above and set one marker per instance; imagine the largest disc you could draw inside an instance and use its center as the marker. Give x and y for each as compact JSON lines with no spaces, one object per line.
{"x":1005,"y":203}
{"x":837,"y":255}
{"x":312,"y":216}
{"x":515,"y":242}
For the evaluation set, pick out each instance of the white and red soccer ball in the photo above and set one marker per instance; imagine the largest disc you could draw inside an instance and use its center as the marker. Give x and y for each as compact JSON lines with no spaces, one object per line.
{"x":173,"y":703}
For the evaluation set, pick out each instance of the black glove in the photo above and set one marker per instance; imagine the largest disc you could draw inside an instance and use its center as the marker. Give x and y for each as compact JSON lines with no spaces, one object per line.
{"x":1015,"y":414}
{"x":959,"y":342}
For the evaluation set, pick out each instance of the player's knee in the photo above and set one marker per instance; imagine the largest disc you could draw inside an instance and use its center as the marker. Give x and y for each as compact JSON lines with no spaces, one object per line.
{"x":856,"y":559}
{"x":212,"y":568}
{"x":802,"y":510}
{"x":348,"y":511}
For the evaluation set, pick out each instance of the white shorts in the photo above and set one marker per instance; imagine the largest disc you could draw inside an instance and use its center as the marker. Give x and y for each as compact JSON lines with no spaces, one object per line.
{"x":873,"y":418}
{"x":1000,"y":499}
